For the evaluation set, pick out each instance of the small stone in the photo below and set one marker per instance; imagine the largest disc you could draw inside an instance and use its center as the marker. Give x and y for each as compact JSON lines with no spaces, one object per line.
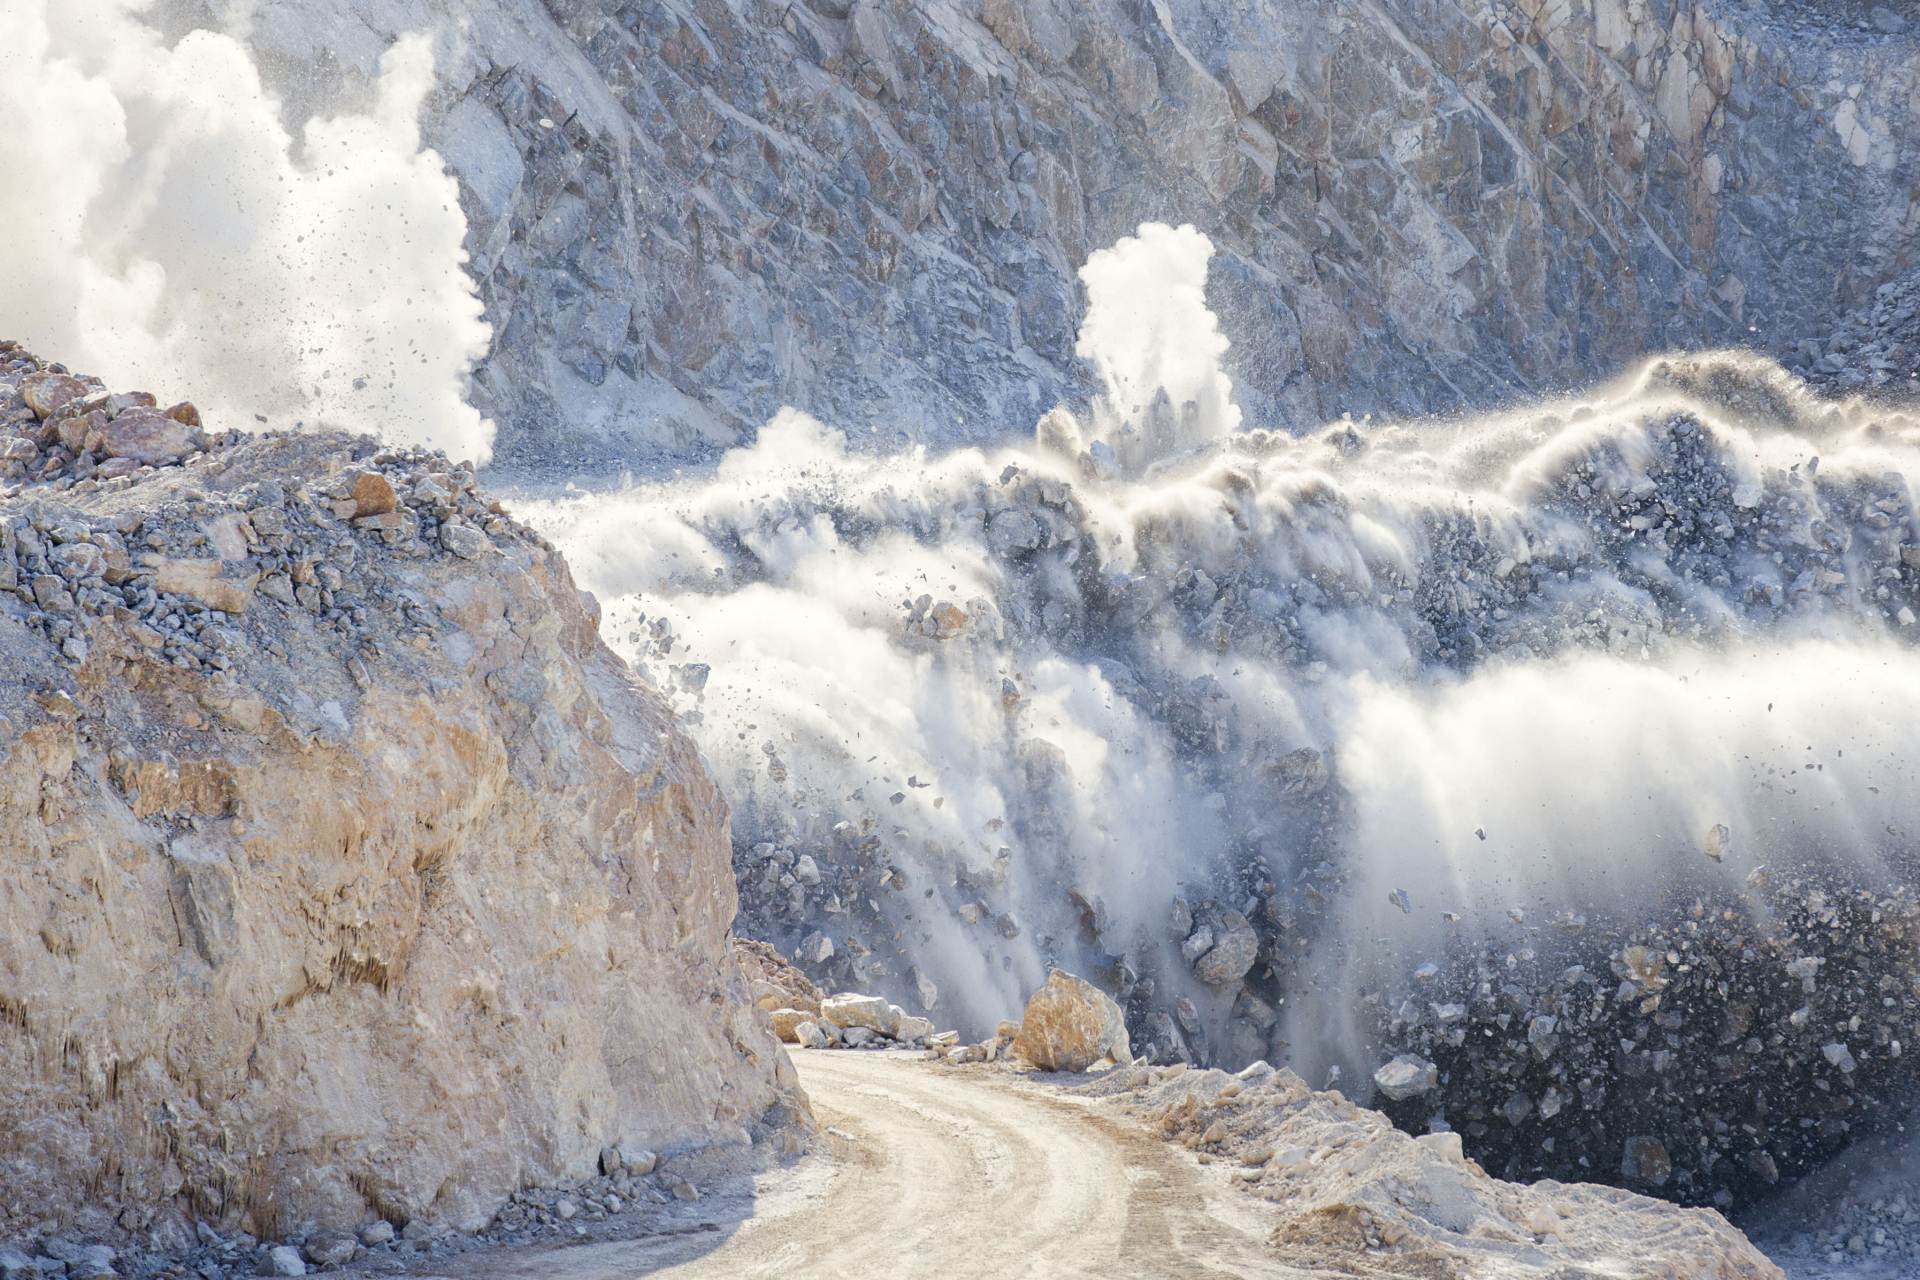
{"x":1406,"y":1076}
{"x":1719,"y":841}
{"x":682,"y":1189}
{"x":565,"y":1209}
{"x":376,"y":1233}
{"x":283,"y":1260}
{"x":638,"y":1161}
{"x":609,"y":1161}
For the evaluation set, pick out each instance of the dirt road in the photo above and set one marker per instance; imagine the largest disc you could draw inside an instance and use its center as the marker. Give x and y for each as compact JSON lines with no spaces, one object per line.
{"x":922,"y":1172}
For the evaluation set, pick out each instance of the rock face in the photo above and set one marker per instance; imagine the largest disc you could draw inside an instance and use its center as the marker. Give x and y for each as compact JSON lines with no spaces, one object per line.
{"x":348,"y":875}
{"x":1344,"y":1179}
{"x":1070,"y":1024}
{"x":683,"y":216}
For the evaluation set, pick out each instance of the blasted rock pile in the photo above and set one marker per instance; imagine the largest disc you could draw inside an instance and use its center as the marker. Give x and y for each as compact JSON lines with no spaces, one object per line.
{"x":1346,"y":1183}
{"x":1644,"y":536}
{"x":1710,"y":1058}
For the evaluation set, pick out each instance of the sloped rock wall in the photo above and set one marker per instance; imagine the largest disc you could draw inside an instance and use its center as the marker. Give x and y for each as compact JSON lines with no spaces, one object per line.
{"x":345,"y":873}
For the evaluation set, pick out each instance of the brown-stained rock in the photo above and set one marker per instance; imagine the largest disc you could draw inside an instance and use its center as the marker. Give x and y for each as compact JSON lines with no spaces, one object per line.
{"x":47,"y":392}
{"x":372,"y":495}
{"x":1070,"y":1024}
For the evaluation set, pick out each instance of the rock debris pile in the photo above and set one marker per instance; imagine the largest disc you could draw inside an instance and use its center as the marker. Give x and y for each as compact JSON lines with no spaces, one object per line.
{"x":1873,"y":349}
{"x":1710,"y":1057}
{"x":1347,"y":1182}
{"x":850,"y":1020}
{"x":315,"y":763}
{"x":1066,"y":717}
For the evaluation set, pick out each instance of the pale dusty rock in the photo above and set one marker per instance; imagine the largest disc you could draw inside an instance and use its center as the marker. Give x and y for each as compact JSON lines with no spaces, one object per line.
{"x":1405,"y":1077}
{"x":849,"y":1009}
{"x":320,"y":909}
{"x":1235,"y":947}
{"x":912,"y":1028}
{"x":1345,"y":1183}
{"x":330,"y":1248}
{"x":47,"y":392}
{"x":148,"y":437}
{"x":808,"y":1035}
{"x":1070,"y":1024}
{"x":283,"y":1260}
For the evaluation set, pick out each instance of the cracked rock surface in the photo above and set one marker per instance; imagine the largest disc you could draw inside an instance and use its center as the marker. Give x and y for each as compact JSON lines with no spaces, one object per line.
{"x":686,"y":214}
{"x":349,"y":878}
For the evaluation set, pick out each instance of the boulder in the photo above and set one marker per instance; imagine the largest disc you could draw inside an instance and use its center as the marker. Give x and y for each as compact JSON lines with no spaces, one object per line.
{"x":373,"y":495}
{"x":330,"y":1248}
{"x":283,"y":1260}
{"x":849,"y":1009}
{"x":148,"y":437}
{"x":808,"y":1035}
{"x":786,"y":1020}
{"x":1070,"y":1024}
{"x":1235,"y":947}
{"x":47,"y":392}
{"x":1406,"y":1077}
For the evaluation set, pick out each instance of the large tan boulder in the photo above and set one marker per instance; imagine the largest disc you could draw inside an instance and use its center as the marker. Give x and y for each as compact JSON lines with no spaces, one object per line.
{"x":392,"y":895}
{"x":1070,"y":1024}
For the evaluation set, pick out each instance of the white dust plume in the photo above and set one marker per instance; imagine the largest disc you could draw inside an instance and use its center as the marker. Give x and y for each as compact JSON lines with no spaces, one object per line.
{"x":160,"y":227}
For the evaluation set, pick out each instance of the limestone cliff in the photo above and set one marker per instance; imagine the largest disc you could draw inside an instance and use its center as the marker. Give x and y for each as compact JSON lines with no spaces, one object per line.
{"x":684,"y":213}
{"x":346,"y":874}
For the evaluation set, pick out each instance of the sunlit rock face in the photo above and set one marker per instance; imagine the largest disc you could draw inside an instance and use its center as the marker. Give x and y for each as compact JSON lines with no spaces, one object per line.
{"x":685,"y":216}
{"x":346,"y":875}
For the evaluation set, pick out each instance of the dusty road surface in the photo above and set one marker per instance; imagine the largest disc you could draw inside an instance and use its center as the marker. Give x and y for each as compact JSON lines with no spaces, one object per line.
{"x":923,"y":1171}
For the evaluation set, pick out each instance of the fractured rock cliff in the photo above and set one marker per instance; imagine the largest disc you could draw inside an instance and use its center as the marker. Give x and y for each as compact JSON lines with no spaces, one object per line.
{"x":685,"y":213}
{"x":346,"y":874}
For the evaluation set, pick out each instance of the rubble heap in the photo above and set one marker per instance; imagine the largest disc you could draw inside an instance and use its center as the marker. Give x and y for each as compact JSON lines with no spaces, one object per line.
{"x":1711,"y":1056}
{"x":1874,"y":349}
{"x":352,"y":879}
{"x":1343,"y":1179}
{"x":1650,"y":534}
{"x":850,"y":1020}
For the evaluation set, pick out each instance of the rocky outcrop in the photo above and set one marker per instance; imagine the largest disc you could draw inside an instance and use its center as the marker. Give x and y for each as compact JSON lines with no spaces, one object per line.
{"x":683,"y":215}
{"x":1344,"y":1182}
{"x":347,"y":875}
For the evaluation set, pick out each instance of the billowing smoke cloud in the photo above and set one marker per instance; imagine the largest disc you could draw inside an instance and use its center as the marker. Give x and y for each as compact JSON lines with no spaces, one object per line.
{"x":1050,"y":704}
{"x":159,"y":226}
